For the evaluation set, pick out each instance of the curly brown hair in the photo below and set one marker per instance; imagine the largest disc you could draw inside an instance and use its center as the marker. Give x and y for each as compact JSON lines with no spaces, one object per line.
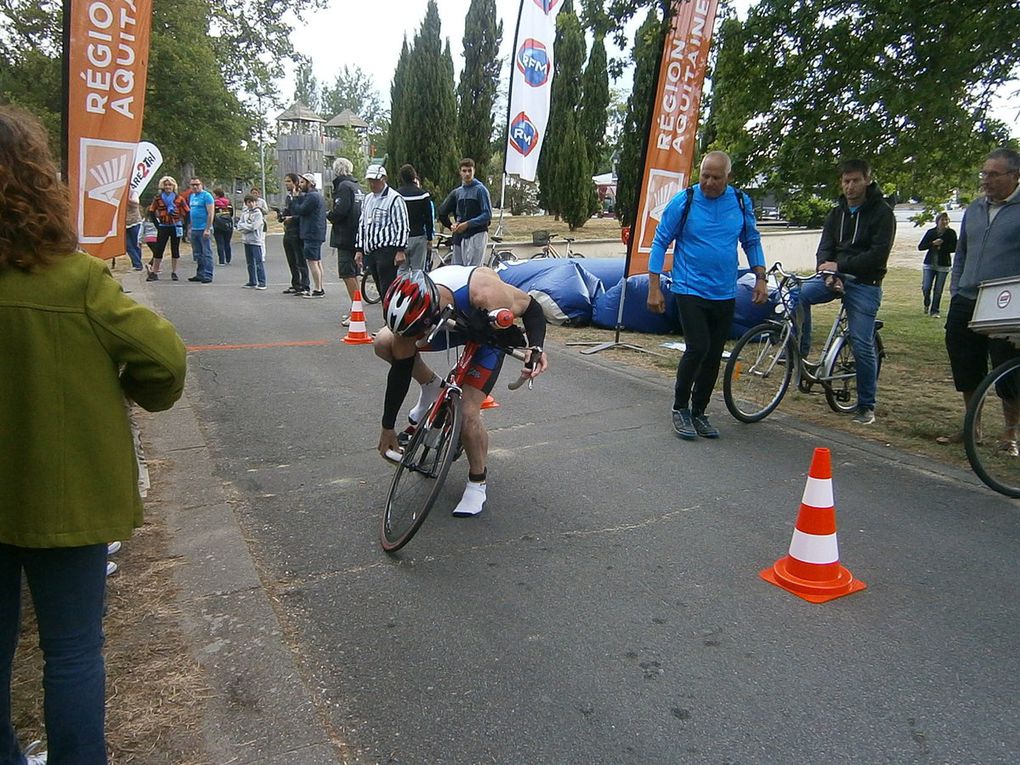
{"x":35,"y":210}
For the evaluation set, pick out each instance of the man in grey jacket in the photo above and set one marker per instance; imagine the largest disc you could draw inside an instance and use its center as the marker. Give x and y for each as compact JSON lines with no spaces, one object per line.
{"x":988,"y":248}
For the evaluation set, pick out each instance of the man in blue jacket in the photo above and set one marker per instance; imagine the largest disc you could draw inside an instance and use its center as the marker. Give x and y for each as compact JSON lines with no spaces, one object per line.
{"x":704,"y":282}
{"x":310,"y":209}
{"x":470,"y":205}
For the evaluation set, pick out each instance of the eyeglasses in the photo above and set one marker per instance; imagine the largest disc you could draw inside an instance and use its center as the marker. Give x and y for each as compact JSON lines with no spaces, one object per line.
{"x":995,"y":173}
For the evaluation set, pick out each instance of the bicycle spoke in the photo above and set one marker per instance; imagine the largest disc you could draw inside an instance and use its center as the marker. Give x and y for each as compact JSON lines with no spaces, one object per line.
{"x":757,"y":374}
{"x":991,"y":435}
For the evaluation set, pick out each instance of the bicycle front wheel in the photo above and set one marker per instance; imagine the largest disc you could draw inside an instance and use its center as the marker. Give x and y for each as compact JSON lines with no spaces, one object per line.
{"x":369,"y":290}
{"x":421,"y":473}
{"x":990,"y":433}
{"x":503,"y":256}
{"x":758,"y":373}
{"x":841,"y":388}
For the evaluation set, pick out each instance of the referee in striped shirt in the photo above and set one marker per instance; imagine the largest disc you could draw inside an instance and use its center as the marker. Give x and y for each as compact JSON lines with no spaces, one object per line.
{"x":381,"y":244}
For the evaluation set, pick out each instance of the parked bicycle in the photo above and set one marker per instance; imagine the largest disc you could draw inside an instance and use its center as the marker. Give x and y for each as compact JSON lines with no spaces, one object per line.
{"x":544,"y":239}
{"x":764,"y":360}
{"x":435,"y":441}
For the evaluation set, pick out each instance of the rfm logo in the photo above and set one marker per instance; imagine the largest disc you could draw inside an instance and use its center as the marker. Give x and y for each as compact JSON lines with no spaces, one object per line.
{"x":533,"y":63}
{"x":546,"y":5}
{"x":523,"y":134}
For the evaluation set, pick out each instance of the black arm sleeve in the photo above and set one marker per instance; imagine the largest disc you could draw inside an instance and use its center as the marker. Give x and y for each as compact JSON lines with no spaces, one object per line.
{"x":534,"y":323}
{"x":397,"y":382}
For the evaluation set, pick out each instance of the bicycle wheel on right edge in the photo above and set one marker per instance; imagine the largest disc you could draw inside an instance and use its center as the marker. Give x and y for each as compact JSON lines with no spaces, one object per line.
{"x":369,"y":291}
{"x":421,"y":473}
{"x":988,"y":435}
{"x":758,"y":373}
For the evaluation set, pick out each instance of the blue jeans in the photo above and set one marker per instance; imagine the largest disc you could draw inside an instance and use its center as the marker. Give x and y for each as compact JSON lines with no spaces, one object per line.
{"x":68,"y":586}
{"x":932,"y":297}
{"x":862,"y":302}
{"x":202,"y":249}
{"x":131,"y":243}
{"x":256,"y":264}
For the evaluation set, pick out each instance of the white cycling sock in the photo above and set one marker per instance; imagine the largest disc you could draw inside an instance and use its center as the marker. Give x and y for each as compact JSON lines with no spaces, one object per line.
{"x":473,"y":501}
{"x":426,"y":398}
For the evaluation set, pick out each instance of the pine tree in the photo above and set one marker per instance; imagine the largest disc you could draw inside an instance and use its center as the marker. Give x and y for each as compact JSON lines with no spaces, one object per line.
{"x":306,"y":87}
{"x":479,"y":80}
{"x":594,"y":111}
{"x":564,"y":169}
{"x":395,"y":140}
{"x":429,"y":108}
{"x":647,"y":51}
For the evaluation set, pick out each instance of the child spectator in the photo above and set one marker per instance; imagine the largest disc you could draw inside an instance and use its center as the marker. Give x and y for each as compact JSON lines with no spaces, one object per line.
{"x":251,"y":224}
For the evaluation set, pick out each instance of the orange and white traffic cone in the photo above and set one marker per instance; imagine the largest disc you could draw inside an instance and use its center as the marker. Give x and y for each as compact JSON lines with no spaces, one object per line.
{"x":490,"y":403}
{"x":357,"y":332}
{"x":812,"y":570}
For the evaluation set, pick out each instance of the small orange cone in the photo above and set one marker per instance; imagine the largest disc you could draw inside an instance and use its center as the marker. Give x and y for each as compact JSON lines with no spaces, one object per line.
{"x":357,"y":332}
{"x":812,"y":570}
{"x":490,"y":403}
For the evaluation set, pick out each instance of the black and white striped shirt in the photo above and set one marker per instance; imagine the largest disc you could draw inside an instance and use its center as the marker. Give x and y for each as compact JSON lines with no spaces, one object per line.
{"x":383,"y":222}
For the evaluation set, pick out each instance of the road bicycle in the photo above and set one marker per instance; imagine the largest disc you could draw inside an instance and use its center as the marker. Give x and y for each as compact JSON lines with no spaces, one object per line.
{"x":990,"y":430}
{"x":544,"y":239}
{"x":495,"y":254}
{"x":762,"y":364}
{"x":435,"y":441}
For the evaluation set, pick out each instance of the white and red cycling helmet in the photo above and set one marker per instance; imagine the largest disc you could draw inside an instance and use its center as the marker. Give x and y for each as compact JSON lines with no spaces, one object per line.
{"x":411,"y":305}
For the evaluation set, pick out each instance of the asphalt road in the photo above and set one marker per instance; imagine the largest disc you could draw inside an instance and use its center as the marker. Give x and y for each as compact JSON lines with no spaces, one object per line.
{"x":606,"y":607}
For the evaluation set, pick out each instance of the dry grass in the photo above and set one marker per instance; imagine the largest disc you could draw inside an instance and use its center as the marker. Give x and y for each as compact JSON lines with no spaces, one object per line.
{"x":155,"y":691}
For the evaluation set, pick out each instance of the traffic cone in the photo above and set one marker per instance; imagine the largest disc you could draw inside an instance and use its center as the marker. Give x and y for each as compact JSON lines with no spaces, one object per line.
{"x":490,"y":403}
{"x":357,"y":332}
{"x":812,"y":570}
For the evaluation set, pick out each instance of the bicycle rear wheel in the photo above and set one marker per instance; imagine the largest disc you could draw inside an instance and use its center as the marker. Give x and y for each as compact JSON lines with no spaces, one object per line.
{"x":503,"y":256}
{"x":758,"y":373}
{"x":841,"y":393}
{"x":421,"y":473}
{"x":988,"y":435}
{"x":369,"y":291}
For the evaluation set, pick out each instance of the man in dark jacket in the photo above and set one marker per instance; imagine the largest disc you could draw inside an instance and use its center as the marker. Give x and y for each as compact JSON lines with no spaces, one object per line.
{"x":310,"y":210}
{"x":857,"y":237}
{"x":292,"y":246}
{"x":471,"y":206}
{"x":420,"y":216}
{"x":344,"y":215}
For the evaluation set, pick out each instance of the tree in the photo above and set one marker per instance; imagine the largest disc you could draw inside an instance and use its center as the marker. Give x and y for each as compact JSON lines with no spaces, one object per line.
{"x":396,"y":140}
{"x":564,"y":169}
{"x":806,"y":85}
{"x":479,"y":81}
{"x":354,"y":89}
{"x":429,"y":108}
{"x":594,"y":112}
{"x":306,"y":87}
{"x":647,"y":51}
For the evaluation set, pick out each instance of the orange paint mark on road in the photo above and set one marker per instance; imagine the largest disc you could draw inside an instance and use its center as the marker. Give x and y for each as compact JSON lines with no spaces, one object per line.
{"x":251,"y":346}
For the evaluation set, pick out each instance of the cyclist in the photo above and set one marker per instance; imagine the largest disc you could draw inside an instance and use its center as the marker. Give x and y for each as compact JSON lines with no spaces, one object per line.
{"x":411,"y":309}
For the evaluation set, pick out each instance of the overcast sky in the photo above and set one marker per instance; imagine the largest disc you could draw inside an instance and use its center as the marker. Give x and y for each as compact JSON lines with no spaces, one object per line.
{"x":369,"y":33}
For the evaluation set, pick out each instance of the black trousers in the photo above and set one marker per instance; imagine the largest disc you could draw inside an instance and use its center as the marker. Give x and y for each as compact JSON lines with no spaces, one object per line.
{"x":380,"y":264}
{"x":296,"y":262}
{"x":970,"y":351}
{"x":706,"y":326}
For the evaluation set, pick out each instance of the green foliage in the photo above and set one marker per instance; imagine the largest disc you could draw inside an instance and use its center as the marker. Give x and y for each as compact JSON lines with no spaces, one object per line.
{"x":805,"y":209}
{"x":647,"y":51}
{"x":594,"y":112}
{"x":355,"y":89}
{"x":479,"y":80}
{"x":396,"y":138}
{"x":805,"y":85}
{"x":306,"y":87}
{"x":350,"y":146}
{"x":424,"y":115}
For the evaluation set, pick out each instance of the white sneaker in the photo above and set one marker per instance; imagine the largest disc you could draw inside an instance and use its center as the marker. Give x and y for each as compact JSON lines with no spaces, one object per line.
{"x":113,"y":548}
{"x":427,"y":397}
{"x":473,"y":501}
{"x":111,"y":568}
{"x":32,"y":754}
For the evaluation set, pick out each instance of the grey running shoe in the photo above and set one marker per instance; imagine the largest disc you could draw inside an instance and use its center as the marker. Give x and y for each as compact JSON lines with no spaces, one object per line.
{"x":684,"y":425}
{"x":703,"y":427}
{"x":864,"y":416}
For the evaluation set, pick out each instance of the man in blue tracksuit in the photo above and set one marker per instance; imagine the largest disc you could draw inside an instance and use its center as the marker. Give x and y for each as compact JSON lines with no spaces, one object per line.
{"x":470,"y":205}
{"x":704,"y":282}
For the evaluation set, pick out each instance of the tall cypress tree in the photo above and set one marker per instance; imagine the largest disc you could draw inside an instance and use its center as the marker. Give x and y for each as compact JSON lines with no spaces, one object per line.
{"x":564,"y":167}
{"x":479,"y":79}
{"x":647,"y":51}
{"x":396,"y":138}
{"x":594,"y":110}
{"x":430,"y":108}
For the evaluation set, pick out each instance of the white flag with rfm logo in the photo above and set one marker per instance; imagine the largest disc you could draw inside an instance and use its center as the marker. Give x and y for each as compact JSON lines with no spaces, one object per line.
{"x":530,"y":83}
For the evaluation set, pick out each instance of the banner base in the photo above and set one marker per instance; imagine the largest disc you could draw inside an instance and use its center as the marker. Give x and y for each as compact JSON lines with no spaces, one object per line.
{"x":616,"y":344}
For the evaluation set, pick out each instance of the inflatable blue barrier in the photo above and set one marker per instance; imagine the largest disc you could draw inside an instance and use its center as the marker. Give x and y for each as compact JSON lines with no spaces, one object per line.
{"x":563,"y":289}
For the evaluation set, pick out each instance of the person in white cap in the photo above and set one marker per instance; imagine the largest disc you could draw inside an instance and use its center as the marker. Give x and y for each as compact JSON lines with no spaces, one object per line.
{"x":381,"y":243}
{"x":310,"y":210}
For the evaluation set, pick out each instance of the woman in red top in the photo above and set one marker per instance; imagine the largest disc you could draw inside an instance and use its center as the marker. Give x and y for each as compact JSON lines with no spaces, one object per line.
{"x":167,"y":212}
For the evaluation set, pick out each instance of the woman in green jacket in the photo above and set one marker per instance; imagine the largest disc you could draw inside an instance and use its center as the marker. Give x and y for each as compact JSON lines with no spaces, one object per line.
{"x":72,"y":347}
